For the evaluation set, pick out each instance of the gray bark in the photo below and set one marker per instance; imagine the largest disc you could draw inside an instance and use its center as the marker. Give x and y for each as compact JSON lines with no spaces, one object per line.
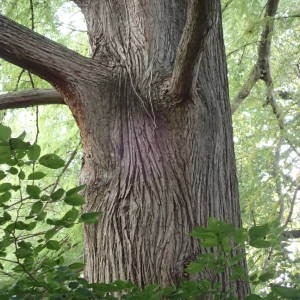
{"x":156,"y":163}
{"x":29,"y":98}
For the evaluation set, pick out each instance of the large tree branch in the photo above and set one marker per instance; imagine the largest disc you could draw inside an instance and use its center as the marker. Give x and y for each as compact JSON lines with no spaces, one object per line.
{"x":292,"y":234}
{"x":246,"y":88}
{"x":261,"y":69}
{"x":201,"y":18}
{"x":29,"y":98}
{"x":43,"y":57}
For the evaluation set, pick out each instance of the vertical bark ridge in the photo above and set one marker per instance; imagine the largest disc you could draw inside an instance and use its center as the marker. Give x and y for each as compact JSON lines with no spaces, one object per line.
{"x":153,"y":181}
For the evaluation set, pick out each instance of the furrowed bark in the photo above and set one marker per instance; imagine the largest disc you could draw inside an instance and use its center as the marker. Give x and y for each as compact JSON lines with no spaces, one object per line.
{"x":30,"y":98}
{"x":43,"y":57}
{"x":201,"y":18}
{"x":154,"y":176}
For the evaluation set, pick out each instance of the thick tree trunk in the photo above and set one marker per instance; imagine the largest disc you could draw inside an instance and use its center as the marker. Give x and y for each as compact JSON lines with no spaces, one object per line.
{"x":155,"y":170}
{"x":153,"y":110}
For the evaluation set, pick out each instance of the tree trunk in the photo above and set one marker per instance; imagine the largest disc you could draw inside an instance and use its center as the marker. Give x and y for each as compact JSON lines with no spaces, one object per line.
{"x":154,"y":170}
{"x":153,"y":110}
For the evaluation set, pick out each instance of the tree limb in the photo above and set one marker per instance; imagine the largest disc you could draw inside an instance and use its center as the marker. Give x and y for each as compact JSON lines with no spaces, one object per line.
{"x":246,"y":88}
{"x":261,"y":69}
{"x":292,"y":234}
{"x":289,"y":217}
{"x":43,"y":57}
{"x":29,"y":98}
{"x":201,"y":18}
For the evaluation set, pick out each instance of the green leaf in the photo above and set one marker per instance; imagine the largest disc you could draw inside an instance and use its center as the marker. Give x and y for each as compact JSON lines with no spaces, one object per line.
{"x":50,"y":233}
{"x":237,"y":273}
{"x":4,"y":187}
{"x":75,"y":190}
{"x":34,"y":152}
{"x":53,"y":245}
{"x":74,"y":199}
{"x":22,"y":136}
{"x":5,"y":197}
{"x":30,"y":226}
{"x":260,"y":243}
{"x":5,"y":218}
{"x":52,"y":161}
{"x":76,"y":266}
{"x":33,"y":191}
{"x":13,"y":171}
{"x":71,"y":215}
{"x":36,"y":207}
{"x":57,"y":194}
{"x":90,"y":218}
{"x":2,"y":175}
{"x":195,"y":267}
{"x":23,"y":252}
{"x":289,"y":293}
{"x":258,"y":232}
{"x":36,"y":175}
{"x":19,"y":144}
{"x":21,"y":175}
{"x":5,"y":133}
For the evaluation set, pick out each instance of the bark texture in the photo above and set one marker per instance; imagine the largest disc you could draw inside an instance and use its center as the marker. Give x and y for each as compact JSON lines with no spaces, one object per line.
{"x":28,"y":98}
{"x":162,"y":163}
{"x":153,"y":109}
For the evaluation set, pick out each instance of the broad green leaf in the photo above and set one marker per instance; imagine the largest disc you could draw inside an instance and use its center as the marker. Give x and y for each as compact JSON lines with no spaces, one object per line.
{"x":57,"y":194}
{"x":5,"y":151}
{"x":71,"y":215}
{"x":75,"y":190}
{"x":76,"y":266}
{"x":20,"y":225}
{"x":22,"y":136}
{"x":13,"y":171}
{"x":195,"y":267}
{"x":50,"y":233}
{"x":53,"y":245}
{"x":23,"y":252}
{"x":90,"y":218}
{"x":41,"y":216}
{"x":52,"y":161}
{"x":34,"y":152}
{"x":260,"y":244}
{"x":2,"y":175}
{"x":74,"y":199}
{"x":33,"y":191}
{"x":4,"y":187}
{"x":36,"y":207}
{"x":19,"y":144}
{"x":258,"y":232}
{"x":5,"y":197}
{"x":5,"y":218}
{"x":5,"y":133}
{"x":36,"y":175}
